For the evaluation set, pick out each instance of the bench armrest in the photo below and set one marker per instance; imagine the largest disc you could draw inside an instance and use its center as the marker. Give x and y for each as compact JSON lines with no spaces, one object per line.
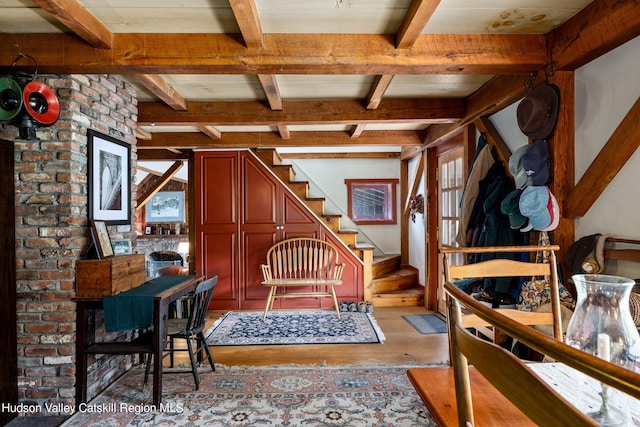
{"x":266,"y":271}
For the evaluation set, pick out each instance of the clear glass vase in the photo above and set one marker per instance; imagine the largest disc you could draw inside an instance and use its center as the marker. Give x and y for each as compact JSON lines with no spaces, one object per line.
{"x":602,"y":325}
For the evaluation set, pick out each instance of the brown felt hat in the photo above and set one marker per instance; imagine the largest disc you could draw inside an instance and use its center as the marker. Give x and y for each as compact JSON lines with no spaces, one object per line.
{"x":538,"y":112}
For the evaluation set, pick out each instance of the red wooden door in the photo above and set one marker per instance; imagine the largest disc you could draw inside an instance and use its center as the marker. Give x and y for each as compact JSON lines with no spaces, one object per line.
{"x":217,"y":189}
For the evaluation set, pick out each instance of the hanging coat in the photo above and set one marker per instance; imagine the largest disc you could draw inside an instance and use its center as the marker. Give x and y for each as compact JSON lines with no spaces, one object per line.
{"x":481,"y":164}
{"x":497,"y":231}
{"x":477,"y":218}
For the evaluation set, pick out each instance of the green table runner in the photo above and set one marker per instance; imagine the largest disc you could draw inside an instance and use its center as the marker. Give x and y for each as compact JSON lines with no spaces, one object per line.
{"x":133,"y":309}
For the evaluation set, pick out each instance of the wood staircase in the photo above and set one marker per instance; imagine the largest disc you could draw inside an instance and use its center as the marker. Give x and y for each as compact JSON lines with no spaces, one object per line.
{"x":390,"y":284}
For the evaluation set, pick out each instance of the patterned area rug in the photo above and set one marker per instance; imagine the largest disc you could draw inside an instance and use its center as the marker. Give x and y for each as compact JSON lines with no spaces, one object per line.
{"x":294,"y":327}
{"x":268,"y":396}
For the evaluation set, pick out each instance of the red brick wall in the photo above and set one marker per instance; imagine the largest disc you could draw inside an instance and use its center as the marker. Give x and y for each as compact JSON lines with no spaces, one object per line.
{"x":52,"y":232}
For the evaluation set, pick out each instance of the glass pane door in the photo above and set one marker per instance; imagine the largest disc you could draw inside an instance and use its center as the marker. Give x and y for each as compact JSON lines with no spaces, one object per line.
{"x":450,"y":186}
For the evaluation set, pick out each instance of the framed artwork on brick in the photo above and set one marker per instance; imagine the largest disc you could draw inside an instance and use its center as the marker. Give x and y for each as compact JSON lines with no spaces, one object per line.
{"x":101,"y":239}
{"x":109,"y":179}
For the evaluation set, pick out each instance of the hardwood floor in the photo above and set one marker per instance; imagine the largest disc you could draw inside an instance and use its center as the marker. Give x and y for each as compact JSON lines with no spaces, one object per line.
{"x":403,"y":346}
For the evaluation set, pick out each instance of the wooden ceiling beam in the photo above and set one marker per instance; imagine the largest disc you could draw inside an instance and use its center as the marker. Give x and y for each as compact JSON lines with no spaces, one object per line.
{"x":379,"y":87}
{"x":248,"y":20}
{"x":599,"y":28}
{"x":142,"y":134}
{"x":357,"y":130}
{"x":350,"y":112}
{"x":418,"y":14}
{"x":161,"y":154}
{"x":284,"y":132}
{"x":163,"y":90}
{"x":369,"y":54}
{"x":493,"y":96}
{"x":210,"y":131}
{"x":486,"y":126}
{"x":78,"y":19}
{"x":165,"y":140}
{"x":271,"y":90}
{"x":415,"y":183}
{"x":338,"y":155}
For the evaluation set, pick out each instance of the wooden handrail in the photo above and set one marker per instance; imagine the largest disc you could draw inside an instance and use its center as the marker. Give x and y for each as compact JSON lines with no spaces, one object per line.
{"x":611,"y":374}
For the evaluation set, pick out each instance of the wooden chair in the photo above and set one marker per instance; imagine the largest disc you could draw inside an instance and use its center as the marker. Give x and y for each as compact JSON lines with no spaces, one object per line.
{"x":499,"y":389}
{"x":509,"y":268}
{"x":190,"y":329}
{"x":302,"y":262}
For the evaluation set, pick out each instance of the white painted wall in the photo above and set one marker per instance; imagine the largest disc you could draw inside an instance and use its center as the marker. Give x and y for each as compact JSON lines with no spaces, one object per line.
{"x":329,"y":175}
{"x":417,"y":230}
{"x":606,"y":89}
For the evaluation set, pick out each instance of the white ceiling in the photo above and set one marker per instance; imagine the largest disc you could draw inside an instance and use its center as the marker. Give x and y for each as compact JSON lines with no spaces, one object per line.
{"x":302,"y":17}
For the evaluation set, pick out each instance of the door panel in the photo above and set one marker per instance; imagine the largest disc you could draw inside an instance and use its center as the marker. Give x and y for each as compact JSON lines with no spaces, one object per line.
{"x":217,"y":224}
{"x":450,"y":187}
{"x":220,"y":259}
{"x":258,"y":228}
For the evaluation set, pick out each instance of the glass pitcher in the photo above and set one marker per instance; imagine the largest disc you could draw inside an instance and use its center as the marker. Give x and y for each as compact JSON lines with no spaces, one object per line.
{"x":602,"y":325}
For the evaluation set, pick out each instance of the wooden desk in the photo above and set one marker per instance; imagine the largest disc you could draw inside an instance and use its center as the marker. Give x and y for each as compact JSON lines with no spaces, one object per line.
{"x":155,"y":343}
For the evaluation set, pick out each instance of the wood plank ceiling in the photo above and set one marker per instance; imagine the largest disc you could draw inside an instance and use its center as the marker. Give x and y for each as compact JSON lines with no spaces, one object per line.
{"x":282,"y":73}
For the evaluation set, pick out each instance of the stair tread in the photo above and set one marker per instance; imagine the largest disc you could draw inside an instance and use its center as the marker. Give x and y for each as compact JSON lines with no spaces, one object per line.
{"x":383,"y":258}
{"x":417,"y":290}
{"x":398,"y":273}
{"x":348,"y":231}
{"x":364,"y":245}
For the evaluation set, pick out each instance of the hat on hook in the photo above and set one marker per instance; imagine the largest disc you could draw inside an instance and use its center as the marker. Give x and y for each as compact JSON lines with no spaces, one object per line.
{"x":537,"y":113}
{"x":10,"y":98}
{"x":41,"y":102}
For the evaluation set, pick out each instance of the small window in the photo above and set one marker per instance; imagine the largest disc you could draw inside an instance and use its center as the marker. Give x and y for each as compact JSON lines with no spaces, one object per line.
{"x":372,"y":201}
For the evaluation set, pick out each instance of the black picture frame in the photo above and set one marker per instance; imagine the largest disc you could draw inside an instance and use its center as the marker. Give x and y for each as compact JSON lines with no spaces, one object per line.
{"x":109,"y":178}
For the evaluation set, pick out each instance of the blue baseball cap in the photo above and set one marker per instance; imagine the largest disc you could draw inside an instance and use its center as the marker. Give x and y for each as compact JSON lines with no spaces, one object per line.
{"x":533,"y":204}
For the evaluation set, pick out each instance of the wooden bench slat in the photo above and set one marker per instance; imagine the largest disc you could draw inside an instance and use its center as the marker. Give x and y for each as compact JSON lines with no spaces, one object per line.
{"x":437,"y":390}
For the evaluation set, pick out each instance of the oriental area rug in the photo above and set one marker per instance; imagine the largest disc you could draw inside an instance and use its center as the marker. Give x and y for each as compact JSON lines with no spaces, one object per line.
{"x":264,"y":396}
{"x":294,"y":327}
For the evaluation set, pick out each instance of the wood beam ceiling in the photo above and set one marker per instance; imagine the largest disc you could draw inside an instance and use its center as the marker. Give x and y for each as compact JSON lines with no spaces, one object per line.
{"x":79,"y":20}
{"x":366,"y":54}
{"x":302,"y":112}
{"x":266,"y":139}
{"x":600,"y":27}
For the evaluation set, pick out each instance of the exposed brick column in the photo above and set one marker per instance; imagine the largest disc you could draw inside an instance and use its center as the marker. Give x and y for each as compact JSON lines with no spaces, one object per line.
{"x":52,"y":232}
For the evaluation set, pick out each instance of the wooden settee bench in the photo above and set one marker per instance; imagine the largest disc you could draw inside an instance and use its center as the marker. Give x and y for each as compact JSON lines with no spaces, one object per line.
{"x":302,"y":262}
